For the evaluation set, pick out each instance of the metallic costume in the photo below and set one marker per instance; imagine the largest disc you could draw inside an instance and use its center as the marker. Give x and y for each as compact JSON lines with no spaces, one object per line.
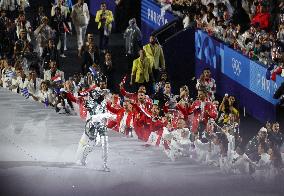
{"x":95,"y":128}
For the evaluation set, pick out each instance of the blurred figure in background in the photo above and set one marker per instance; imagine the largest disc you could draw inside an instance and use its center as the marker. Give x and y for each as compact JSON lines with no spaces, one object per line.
{"x":80,"y":16}
{"x":133,"y":37}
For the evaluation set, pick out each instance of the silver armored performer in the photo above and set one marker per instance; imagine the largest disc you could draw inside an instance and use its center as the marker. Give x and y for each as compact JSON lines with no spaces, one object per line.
{"x":95,"y":128}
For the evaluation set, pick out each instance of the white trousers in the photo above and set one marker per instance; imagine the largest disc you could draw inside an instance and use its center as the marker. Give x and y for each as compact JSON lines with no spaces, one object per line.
{"x":81,"y":33}
{"x":86,"y":146}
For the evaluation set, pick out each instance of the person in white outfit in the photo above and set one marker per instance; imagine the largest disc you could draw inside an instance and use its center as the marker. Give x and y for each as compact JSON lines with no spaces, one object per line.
{"x":52,"y":72}
{"x":240,"y":162}
{"x":178,"y":141}
{"x":34,"y":83}
{"x":23,"y":24}
{"x":262,"y":166}
{"x":80,"y":16}
{"x":7,"y":74}
{"x":42,"y":34}
{"x":19,"y":82}
{"x":45,"y":95}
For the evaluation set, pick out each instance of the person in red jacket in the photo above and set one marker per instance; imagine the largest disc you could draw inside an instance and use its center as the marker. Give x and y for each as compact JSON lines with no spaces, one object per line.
{"x":261,"y":18}
{"x":141,"y":106}
{"x":202,"y":111}
{"x":124,"y":117}
{"x":152,"y":121}
{"x":133,"y":96}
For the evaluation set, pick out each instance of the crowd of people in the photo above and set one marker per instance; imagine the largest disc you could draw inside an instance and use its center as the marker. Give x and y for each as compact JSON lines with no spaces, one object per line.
{"x":253,"y":27}
{"x":201,"y":128}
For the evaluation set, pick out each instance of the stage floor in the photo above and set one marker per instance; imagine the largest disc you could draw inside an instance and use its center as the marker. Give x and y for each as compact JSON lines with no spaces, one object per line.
{"x":37,"y":154}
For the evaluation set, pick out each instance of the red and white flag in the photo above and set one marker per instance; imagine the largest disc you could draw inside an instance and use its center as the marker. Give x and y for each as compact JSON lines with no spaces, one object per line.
{"x":56,"y":78}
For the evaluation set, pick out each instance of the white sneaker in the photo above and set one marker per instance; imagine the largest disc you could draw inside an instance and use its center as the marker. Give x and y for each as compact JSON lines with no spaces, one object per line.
{"x":63,"y":55}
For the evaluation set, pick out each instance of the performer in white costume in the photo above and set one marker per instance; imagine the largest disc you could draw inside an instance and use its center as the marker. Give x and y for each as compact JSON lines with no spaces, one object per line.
{"x":95,"y":128}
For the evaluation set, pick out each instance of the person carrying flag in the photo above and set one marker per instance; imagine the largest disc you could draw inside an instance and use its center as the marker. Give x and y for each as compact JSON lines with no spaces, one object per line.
{"x":60,"y":27}
{"x":53,"y":74}
{"x":25,"y":92}
{"x":45,"y":95}
{"x":19,"y":82}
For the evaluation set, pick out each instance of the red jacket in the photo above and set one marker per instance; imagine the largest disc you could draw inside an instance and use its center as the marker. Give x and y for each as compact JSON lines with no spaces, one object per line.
{"x":199,"y":115}
{"x":128,"y":95}
{"x":149,"y":123}
{"x":133,"y":96}
{"x":140,"y":120}
{"x":120,"y":112}
{"x":262,"y":19}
